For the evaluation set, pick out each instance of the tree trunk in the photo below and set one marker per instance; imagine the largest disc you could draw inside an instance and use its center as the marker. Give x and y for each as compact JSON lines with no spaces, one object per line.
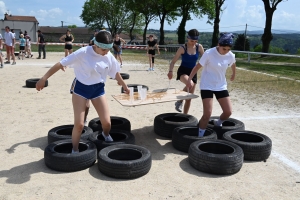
{"x":267,"y":37}
{"x":161,"y":29}
{"x":132,"y":27}
{"x":215,"y":36}
{"x":144,"y":34}
{"x":181,"y":28}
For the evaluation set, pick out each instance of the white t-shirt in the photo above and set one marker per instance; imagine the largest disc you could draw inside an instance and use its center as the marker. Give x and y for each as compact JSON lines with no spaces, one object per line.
{"x":8,"y":37}
{"x":214,"y":69}
{"x":91,"y":68}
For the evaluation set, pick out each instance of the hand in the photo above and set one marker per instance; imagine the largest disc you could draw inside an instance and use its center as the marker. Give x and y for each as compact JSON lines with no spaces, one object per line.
{"x":40,"y":84}
{"x":126,"y":90}
{"x":189,"y":84}
{"x":232,"y":77}
{"x":170,"y":75}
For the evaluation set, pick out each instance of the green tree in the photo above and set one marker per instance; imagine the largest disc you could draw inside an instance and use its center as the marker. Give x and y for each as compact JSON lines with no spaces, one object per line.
{"x":113,"y":13}
{"x":72,"y":26}
{"x":216,"y":32}
{"x":266,"y":38}
{"x":188,"y":7}
{"x":241,"y":43}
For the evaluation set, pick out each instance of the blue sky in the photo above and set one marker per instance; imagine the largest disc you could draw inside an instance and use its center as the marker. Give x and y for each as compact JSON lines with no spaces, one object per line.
{"x":234,"y":17}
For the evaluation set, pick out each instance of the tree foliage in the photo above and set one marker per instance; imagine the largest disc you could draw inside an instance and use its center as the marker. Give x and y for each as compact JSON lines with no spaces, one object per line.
{"x":241,"y":43}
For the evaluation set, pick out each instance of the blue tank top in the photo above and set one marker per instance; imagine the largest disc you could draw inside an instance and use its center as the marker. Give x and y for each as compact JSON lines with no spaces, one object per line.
{"x":187,"y":60}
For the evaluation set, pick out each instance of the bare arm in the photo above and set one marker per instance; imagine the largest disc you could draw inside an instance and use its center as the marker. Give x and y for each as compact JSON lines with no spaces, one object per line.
{"x":233,"y":68}
{"x":62,"y":38}
{"x":174,"y":60}
{"x":40,"y":84}
{"x":201,"y":50}
{"x":123,"y":41}
{"x":121,"y":82}
{"x":157,"y":49}
{"x":189,"y":83}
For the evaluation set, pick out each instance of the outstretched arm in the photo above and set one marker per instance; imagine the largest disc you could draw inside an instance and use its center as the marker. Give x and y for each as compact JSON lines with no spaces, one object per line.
{"x":121,"y":82}
{"x":40,"y":84}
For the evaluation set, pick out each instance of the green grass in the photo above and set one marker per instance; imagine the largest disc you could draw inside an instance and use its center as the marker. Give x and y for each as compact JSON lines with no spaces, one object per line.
{"x":51,"y":48}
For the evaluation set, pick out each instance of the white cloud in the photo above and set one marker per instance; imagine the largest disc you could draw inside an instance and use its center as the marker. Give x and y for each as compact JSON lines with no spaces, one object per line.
{"x":240,"y":7}
{"x":3,"y":9}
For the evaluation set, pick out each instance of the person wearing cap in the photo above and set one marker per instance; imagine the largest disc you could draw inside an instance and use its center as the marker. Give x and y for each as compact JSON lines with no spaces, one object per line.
{"x":152,"y":44}
{"x":215,"y":62}
{"x":118,"y":48}
{"x":92,"y":65}
{"x":189,"y":53}
{"x":68,"y":39}
{"x":41,"y":44}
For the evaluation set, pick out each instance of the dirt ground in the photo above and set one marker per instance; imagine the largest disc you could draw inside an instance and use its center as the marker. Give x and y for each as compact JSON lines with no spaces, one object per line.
{"x":28,"y":115}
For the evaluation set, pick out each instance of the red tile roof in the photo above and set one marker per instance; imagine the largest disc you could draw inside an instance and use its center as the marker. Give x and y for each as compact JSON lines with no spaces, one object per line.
{"x":20,"y":18}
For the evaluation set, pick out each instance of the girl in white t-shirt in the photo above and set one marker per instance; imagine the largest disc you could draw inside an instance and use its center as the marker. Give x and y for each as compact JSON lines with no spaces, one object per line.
{"x":91,"y":66}
{"x":215,"y":62}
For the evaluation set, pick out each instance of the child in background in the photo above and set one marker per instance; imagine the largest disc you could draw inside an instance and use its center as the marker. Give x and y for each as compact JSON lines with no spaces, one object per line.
{"x":22,"y":46}
{"x":28,"y":46}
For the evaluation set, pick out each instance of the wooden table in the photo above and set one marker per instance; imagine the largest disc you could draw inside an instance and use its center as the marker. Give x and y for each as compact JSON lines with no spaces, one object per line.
{"x":156,"y":96}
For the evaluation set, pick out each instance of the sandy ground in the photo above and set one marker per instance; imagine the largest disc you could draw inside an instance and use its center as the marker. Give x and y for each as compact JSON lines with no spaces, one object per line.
{"x":28,"y":115}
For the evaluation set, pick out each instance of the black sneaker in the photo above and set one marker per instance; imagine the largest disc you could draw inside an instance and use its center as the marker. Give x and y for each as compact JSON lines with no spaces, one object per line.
{"x":38,"y":58}
{"x":1,"y":66}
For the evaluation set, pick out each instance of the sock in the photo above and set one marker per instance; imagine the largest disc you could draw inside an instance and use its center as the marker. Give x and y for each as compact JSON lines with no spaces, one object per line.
{"x":75,"y":151}
{"x":201,"y":132}
{"x":219,"y":122}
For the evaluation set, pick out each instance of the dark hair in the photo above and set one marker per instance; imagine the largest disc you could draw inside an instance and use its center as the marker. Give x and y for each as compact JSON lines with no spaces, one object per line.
{"x":7,"y":27}
{"x":193,"y":32}
{"x":104,"y":37}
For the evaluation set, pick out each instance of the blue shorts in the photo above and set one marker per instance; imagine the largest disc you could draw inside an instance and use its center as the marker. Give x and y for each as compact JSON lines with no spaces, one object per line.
{"x":87,"y":91}
{"x":118,"y":53}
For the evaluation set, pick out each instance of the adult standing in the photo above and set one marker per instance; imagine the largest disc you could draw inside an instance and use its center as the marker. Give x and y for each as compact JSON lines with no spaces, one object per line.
{"x":215,"y":62}
{"x":152,"y":44}
{"x":1,"y":47}
{"x":189,"y":53}
{"x":118,"y":47}
{"x":9,"y":45}
{"x":41,"y":44}
{"x":68,"y":39}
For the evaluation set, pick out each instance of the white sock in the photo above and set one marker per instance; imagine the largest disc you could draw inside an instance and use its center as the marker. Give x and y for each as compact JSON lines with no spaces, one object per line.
{"x":219,"y":122}
{"x":201,"y":132}
{"x":107,"y":138}
{"x":75,"y":151}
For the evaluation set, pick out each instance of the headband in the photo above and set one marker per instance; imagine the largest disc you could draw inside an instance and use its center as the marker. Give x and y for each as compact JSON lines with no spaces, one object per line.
{"x":102,"y":45}
{"x":193,"y":37}
{"x":226,"y":39}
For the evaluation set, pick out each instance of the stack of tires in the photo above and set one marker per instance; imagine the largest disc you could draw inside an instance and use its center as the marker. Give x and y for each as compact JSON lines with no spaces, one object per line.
{"x":119,"y":159}
{"x":221,"y":150}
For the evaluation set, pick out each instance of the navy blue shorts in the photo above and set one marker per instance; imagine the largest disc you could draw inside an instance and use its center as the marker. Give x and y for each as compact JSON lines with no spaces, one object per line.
{"x":87,"y":91}
{"x":209,"y":94}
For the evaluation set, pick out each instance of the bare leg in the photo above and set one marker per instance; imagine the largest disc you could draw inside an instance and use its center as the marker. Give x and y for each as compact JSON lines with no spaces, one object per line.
{"x":120,"y":57}
{"x":66,"y":52}
{"x":87,"y":108}
{"x":187,"y":104}
{"x":79,"y":104}
{"x":101,"y":107}
{"x":150,"y":60}
{"x":226,"y":106}
{"x":207,"y":110}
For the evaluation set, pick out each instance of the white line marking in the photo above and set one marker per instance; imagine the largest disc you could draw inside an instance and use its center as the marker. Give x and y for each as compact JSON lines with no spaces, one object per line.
{"x":269,"y":117}
{"x":281,"y":77}
{"x":286,"y":161}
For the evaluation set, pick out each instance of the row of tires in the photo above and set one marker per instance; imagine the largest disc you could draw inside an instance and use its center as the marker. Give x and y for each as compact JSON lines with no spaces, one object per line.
{"x":254,"y":146}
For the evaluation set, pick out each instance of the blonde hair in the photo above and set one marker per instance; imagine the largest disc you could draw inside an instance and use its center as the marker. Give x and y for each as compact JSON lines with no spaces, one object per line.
{"x":21,"y":35}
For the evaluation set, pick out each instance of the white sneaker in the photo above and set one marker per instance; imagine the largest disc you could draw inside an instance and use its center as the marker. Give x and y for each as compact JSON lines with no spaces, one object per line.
{"x":149,"y":69}
{"x":107,"y":138}
{"x":85,"y":123}
{"x":178,"y":106}
{"x":74,"y":152}
{"x":215,"y":121}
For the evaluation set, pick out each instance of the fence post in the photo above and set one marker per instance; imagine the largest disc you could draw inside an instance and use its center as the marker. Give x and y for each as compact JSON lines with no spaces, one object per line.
{"x":249,"y":55}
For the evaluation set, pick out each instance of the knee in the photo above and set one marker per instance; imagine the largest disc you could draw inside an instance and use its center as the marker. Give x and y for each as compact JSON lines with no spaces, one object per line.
{"x":78,"y":127}
{"x":106,"y":124}
{"x":227,"y":113}
{"x":206,"y":116}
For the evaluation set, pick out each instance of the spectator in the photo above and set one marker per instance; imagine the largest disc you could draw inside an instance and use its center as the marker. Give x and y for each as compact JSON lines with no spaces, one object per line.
{"x":28,"y":46}
{"x":68,"y":39}
{"x":22,"y":46}
{"x":1,"y":47}
{"x":9,"y":45}
{"x":41,"y":44}
{"x":152,"y":44}
{"x":118,"y":48}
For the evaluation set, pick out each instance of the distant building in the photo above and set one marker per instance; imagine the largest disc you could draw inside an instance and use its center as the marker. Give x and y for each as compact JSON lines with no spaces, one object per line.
{"x":20,"y":23}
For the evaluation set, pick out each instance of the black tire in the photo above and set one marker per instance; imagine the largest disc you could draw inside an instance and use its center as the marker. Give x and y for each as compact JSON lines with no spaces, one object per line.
{"x":134,"y":87}
{"x":58,"y":156}
{"x":164,"y":124}
{"x":124,"y":76}
{"x":184,"y":136}
{"x":119,"y":137}
{"x":65,"y":132}
{"x":118,"y":123}
{"x":124,"y":161}
{"x":256,"y":146}
{"x":30,"y":83}
{"x":216,"y":156}
{"x":228,"y":125}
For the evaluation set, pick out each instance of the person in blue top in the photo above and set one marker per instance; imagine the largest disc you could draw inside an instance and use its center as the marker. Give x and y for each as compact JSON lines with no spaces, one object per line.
{"x":22,"y":46}
{"x":189,"y":53}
